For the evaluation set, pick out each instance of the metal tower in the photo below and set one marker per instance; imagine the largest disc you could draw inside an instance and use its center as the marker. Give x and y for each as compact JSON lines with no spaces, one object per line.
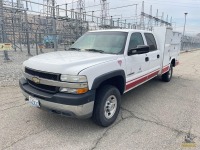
{"x":156,"y":20}
{"x":104,"y":11}
{"x":150,"y":19}
{"x":142,"y":25}
{"x":80,"y":8}
{"x":47,"y":7}
{"x":162,"y":18}
{"x":167,"y":19}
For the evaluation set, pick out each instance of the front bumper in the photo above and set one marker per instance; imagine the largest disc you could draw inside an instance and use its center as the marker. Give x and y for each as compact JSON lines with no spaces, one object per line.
{"x":78,"y":106}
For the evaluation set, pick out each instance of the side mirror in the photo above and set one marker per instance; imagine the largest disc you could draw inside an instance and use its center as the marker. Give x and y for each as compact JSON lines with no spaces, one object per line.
{"x":141,"y":49}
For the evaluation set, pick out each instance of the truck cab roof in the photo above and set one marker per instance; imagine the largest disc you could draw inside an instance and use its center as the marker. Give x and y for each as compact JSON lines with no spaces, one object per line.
{"x":123,"y":30}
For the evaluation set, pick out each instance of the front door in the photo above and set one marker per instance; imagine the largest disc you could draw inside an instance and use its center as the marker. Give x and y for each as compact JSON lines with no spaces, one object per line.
{"x":137,"y":65}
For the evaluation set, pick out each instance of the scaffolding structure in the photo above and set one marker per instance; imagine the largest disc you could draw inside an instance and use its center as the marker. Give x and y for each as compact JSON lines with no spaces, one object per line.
{"x":148,"y":25}
{"x":26,"y":22}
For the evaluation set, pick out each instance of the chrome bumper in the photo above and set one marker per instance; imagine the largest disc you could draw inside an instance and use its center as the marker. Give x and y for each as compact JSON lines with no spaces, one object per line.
{"x":80,"y":111}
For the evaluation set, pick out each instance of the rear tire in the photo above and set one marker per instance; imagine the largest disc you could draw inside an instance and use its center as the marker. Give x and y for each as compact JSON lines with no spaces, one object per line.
{"x":107,"y":106}
{"x":168,"y":75}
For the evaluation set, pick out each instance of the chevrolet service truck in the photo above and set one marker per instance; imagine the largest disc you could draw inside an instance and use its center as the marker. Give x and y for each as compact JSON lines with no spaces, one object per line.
{"x":89,"y":78}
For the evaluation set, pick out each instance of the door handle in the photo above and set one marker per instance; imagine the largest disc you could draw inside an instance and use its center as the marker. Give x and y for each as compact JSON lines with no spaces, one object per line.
{"x":158,"y":56}
{"x":146,"y":59}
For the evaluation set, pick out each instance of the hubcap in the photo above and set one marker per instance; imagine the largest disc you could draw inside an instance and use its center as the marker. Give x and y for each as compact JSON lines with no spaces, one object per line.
{"x":110,"y":107}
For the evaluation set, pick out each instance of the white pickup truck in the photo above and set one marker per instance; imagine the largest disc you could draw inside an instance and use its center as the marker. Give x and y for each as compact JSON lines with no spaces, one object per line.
{"x":89,"y":78}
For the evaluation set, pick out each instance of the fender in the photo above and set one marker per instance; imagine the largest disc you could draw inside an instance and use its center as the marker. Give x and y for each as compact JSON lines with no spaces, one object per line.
{"x":106,"y":76}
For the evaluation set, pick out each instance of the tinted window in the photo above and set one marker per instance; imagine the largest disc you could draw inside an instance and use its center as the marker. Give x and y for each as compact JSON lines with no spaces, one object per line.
{"x":135,"y":40}
{"x":151,"y":41}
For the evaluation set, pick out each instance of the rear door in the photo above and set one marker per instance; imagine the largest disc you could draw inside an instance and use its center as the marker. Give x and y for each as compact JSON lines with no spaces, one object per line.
{"x":154,"y":54}
{"x":137,"y":65}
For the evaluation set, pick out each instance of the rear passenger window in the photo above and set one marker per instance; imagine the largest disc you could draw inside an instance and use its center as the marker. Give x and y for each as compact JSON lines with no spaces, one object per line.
{"x":135,"y":40}
{"x":151,"y":42}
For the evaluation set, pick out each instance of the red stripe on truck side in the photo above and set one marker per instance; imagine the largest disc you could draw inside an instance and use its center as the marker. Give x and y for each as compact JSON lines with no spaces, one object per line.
{"x":136,"y":82}
{"x":140,"y":80}
{"x":165,"y":69}
{"x":153,"y":74}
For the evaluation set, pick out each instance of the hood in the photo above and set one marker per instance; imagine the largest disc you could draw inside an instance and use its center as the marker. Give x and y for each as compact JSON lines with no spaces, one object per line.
{"x":67,"y":62}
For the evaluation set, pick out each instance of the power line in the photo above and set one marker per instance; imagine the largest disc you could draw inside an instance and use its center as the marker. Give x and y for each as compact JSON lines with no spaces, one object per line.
{"x":93,"y":6}
{"x":116,"y":7}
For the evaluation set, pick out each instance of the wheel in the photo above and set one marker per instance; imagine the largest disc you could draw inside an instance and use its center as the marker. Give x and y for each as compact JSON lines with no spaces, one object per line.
{"x":107,"y":105}
{"x":168,"y":75}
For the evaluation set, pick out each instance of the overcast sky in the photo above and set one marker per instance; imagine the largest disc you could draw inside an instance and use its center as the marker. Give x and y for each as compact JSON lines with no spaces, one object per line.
{"x":173,"y":8}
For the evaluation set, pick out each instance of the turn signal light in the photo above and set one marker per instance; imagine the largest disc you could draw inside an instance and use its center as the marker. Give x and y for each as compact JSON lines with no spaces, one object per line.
{"x":81,"y":91}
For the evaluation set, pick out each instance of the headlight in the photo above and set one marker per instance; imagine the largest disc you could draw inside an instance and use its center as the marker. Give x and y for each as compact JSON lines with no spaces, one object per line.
{"x":74,"y":91}
{"x":82,"y":80}
{"x":70,"y":78}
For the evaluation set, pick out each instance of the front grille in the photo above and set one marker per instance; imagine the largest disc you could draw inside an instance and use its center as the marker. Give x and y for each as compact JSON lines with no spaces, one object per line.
{"x":45,"y":75}
{"x":42,"y":87}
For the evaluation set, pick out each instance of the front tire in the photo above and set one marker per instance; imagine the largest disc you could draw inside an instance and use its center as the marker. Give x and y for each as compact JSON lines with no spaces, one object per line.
{"x":168,"y":75}
{"x":107,"y":105}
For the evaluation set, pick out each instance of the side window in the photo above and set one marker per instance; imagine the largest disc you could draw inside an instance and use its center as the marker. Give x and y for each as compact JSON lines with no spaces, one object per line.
{"x":151,"y":41}
{"x":135,"y":40}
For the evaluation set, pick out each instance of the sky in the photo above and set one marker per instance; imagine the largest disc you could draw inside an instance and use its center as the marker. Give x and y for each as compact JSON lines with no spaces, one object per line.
{"x":174,"y":9}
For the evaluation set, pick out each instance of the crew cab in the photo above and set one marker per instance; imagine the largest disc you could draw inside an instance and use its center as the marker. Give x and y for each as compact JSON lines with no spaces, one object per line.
{"x":88,"y":79}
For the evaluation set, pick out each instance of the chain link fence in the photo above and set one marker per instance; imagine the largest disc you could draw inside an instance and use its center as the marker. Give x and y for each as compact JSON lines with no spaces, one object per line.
{"x":190,"y":43}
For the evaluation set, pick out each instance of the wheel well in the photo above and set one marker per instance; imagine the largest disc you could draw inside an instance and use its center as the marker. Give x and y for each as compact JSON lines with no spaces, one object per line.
{"x":173,"y":62}
{"x":117,"y":81}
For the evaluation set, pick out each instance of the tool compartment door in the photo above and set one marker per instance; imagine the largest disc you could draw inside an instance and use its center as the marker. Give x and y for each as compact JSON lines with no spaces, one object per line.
{"x":167,"y":50}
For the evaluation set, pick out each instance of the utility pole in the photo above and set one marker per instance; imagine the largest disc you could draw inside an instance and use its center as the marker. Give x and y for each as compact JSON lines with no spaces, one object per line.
{"x":3,"y":35}
{"x":66,"y":10}
{"x":54,"y":26}
{"x":27,"y":31}
{"x":13,"y":27}
{"x":184,"y":30}
{"x":184,"y":24}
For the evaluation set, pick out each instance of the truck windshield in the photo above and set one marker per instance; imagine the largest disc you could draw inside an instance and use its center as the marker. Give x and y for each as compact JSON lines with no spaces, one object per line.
{"x":111,"y":42}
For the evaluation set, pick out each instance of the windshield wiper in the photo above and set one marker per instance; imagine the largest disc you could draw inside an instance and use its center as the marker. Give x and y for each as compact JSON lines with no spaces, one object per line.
{"x":74,"y":49}
{"x":95,"y":50}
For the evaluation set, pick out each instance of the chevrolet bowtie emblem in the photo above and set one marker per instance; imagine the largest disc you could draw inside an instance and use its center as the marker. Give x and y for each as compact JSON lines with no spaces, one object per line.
{"x":36,"y":80}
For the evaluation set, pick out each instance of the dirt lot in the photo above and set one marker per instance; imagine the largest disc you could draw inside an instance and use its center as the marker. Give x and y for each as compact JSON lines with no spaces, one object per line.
{"x":154,"y":116}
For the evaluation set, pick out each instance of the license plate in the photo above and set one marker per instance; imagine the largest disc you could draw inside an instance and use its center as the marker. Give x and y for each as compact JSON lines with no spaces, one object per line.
{"x":34,"y":101}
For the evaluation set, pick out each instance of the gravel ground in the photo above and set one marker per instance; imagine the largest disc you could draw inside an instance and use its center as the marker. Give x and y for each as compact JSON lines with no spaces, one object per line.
{"x":154,"y":116}
{"x":10,"y":71}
